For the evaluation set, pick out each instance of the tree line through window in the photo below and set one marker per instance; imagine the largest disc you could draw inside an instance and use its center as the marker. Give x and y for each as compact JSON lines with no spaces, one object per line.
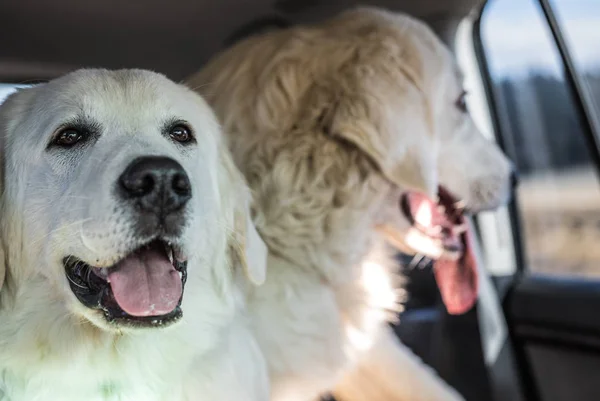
{"x":559,"y":194}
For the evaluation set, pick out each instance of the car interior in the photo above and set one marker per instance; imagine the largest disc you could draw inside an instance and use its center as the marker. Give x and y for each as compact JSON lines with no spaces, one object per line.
{"x":534,"y":334}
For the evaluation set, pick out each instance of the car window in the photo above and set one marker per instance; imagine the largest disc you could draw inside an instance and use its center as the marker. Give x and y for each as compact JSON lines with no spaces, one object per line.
{"x":559,"y":195}
{"x":580,"y":23}
{"x":7,"y":89}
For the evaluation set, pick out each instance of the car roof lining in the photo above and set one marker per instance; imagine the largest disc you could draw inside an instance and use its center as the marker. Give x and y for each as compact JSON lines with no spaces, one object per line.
{"x":175,"y":37}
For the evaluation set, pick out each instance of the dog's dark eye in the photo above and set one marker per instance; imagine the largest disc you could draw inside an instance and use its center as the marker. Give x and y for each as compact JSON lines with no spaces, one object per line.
{"x":461,"y":102}
{"x":181,"y":134}
{"x":68,"y":137}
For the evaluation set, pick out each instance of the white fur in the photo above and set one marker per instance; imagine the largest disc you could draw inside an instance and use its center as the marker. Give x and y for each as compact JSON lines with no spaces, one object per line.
{"x":59,"y":203}
{"x":330,"y":124}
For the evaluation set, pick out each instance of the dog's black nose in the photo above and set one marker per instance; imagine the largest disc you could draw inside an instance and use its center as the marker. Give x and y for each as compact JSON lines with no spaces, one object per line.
{"x":157,"y":184}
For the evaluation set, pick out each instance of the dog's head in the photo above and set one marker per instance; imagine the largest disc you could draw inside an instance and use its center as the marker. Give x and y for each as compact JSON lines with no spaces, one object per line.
{"x":116,"y":188}
{"x":402,"y":102}
{"x":356,"y":125}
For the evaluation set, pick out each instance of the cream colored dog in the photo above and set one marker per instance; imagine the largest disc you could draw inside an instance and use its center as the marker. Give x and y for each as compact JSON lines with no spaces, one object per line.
{"x":353,"y":134}
{"x":116,"y":189}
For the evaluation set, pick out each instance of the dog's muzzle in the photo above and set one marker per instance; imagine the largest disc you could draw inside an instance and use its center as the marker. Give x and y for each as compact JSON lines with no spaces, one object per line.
{"x":145,"y":287}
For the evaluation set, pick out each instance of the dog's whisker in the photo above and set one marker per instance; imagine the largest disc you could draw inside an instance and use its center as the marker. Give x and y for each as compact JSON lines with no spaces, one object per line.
{"x":88,"y":275}
{"x":423,"y":262}
{"x":415,"y":261}
{"x":59,"y":229}
{"x":75,"y":283}
{"x":203,"y":85}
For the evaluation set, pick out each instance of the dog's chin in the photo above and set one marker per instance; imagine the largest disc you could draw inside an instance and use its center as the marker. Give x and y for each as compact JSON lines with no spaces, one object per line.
{"x":142,"y":290}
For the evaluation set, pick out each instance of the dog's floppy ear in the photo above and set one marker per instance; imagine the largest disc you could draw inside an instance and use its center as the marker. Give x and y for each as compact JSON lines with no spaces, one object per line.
{"x":251,"y":251}
{"x":10,"y":111}
{"x":247,"y":248}
{"x":386,"y":116}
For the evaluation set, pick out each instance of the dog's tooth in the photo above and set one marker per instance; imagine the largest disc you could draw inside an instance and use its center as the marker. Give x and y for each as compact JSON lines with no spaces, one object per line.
{"x":180,"y":275}
{"x":436,"y":230}
{"x":169,"y":251}
{"x":460,"y":205}
{"x":441,"y":209}
{"x":460,"y":229}
{"x":178,"y":254}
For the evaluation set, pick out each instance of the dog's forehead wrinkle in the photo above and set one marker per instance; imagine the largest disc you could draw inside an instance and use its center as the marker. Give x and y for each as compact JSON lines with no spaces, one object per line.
{"x":32,"y":133}
{"x":128,"y":98}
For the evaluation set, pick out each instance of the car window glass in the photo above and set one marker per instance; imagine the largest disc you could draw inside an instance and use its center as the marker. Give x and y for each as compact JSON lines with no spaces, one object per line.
{"x":579,"y":21}
{"x":7,"y":89}
{"x":559,"y":195}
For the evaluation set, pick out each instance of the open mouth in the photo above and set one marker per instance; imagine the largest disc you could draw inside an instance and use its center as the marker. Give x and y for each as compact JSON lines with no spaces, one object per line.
{"x":439,"y":231}
{"x":144,"y":289}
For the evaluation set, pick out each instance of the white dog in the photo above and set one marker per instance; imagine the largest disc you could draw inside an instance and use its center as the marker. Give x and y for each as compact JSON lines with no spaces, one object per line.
{"x":116,"y":188}
{"x":347,"y":131}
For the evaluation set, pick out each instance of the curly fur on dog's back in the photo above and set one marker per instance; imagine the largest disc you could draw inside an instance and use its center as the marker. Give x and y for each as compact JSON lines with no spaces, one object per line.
{"x":309,"y":90}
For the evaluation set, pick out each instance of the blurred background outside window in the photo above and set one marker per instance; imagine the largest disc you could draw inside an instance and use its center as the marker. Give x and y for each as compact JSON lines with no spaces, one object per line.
{"x":559,"y":193}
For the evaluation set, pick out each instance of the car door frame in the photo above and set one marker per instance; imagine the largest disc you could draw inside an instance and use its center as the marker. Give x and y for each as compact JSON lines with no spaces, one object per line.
{"x":541,"y":290}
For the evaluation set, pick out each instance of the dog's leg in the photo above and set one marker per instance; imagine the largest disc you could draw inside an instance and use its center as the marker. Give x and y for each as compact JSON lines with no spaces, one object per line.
{"x":390,"y":371}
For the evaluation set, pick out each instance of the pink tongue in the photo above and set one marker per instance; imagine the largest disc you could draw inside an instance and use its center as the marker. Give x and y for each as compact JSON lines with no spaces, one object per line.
{"x":456,"y":278}
{"x":146,"y":284}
